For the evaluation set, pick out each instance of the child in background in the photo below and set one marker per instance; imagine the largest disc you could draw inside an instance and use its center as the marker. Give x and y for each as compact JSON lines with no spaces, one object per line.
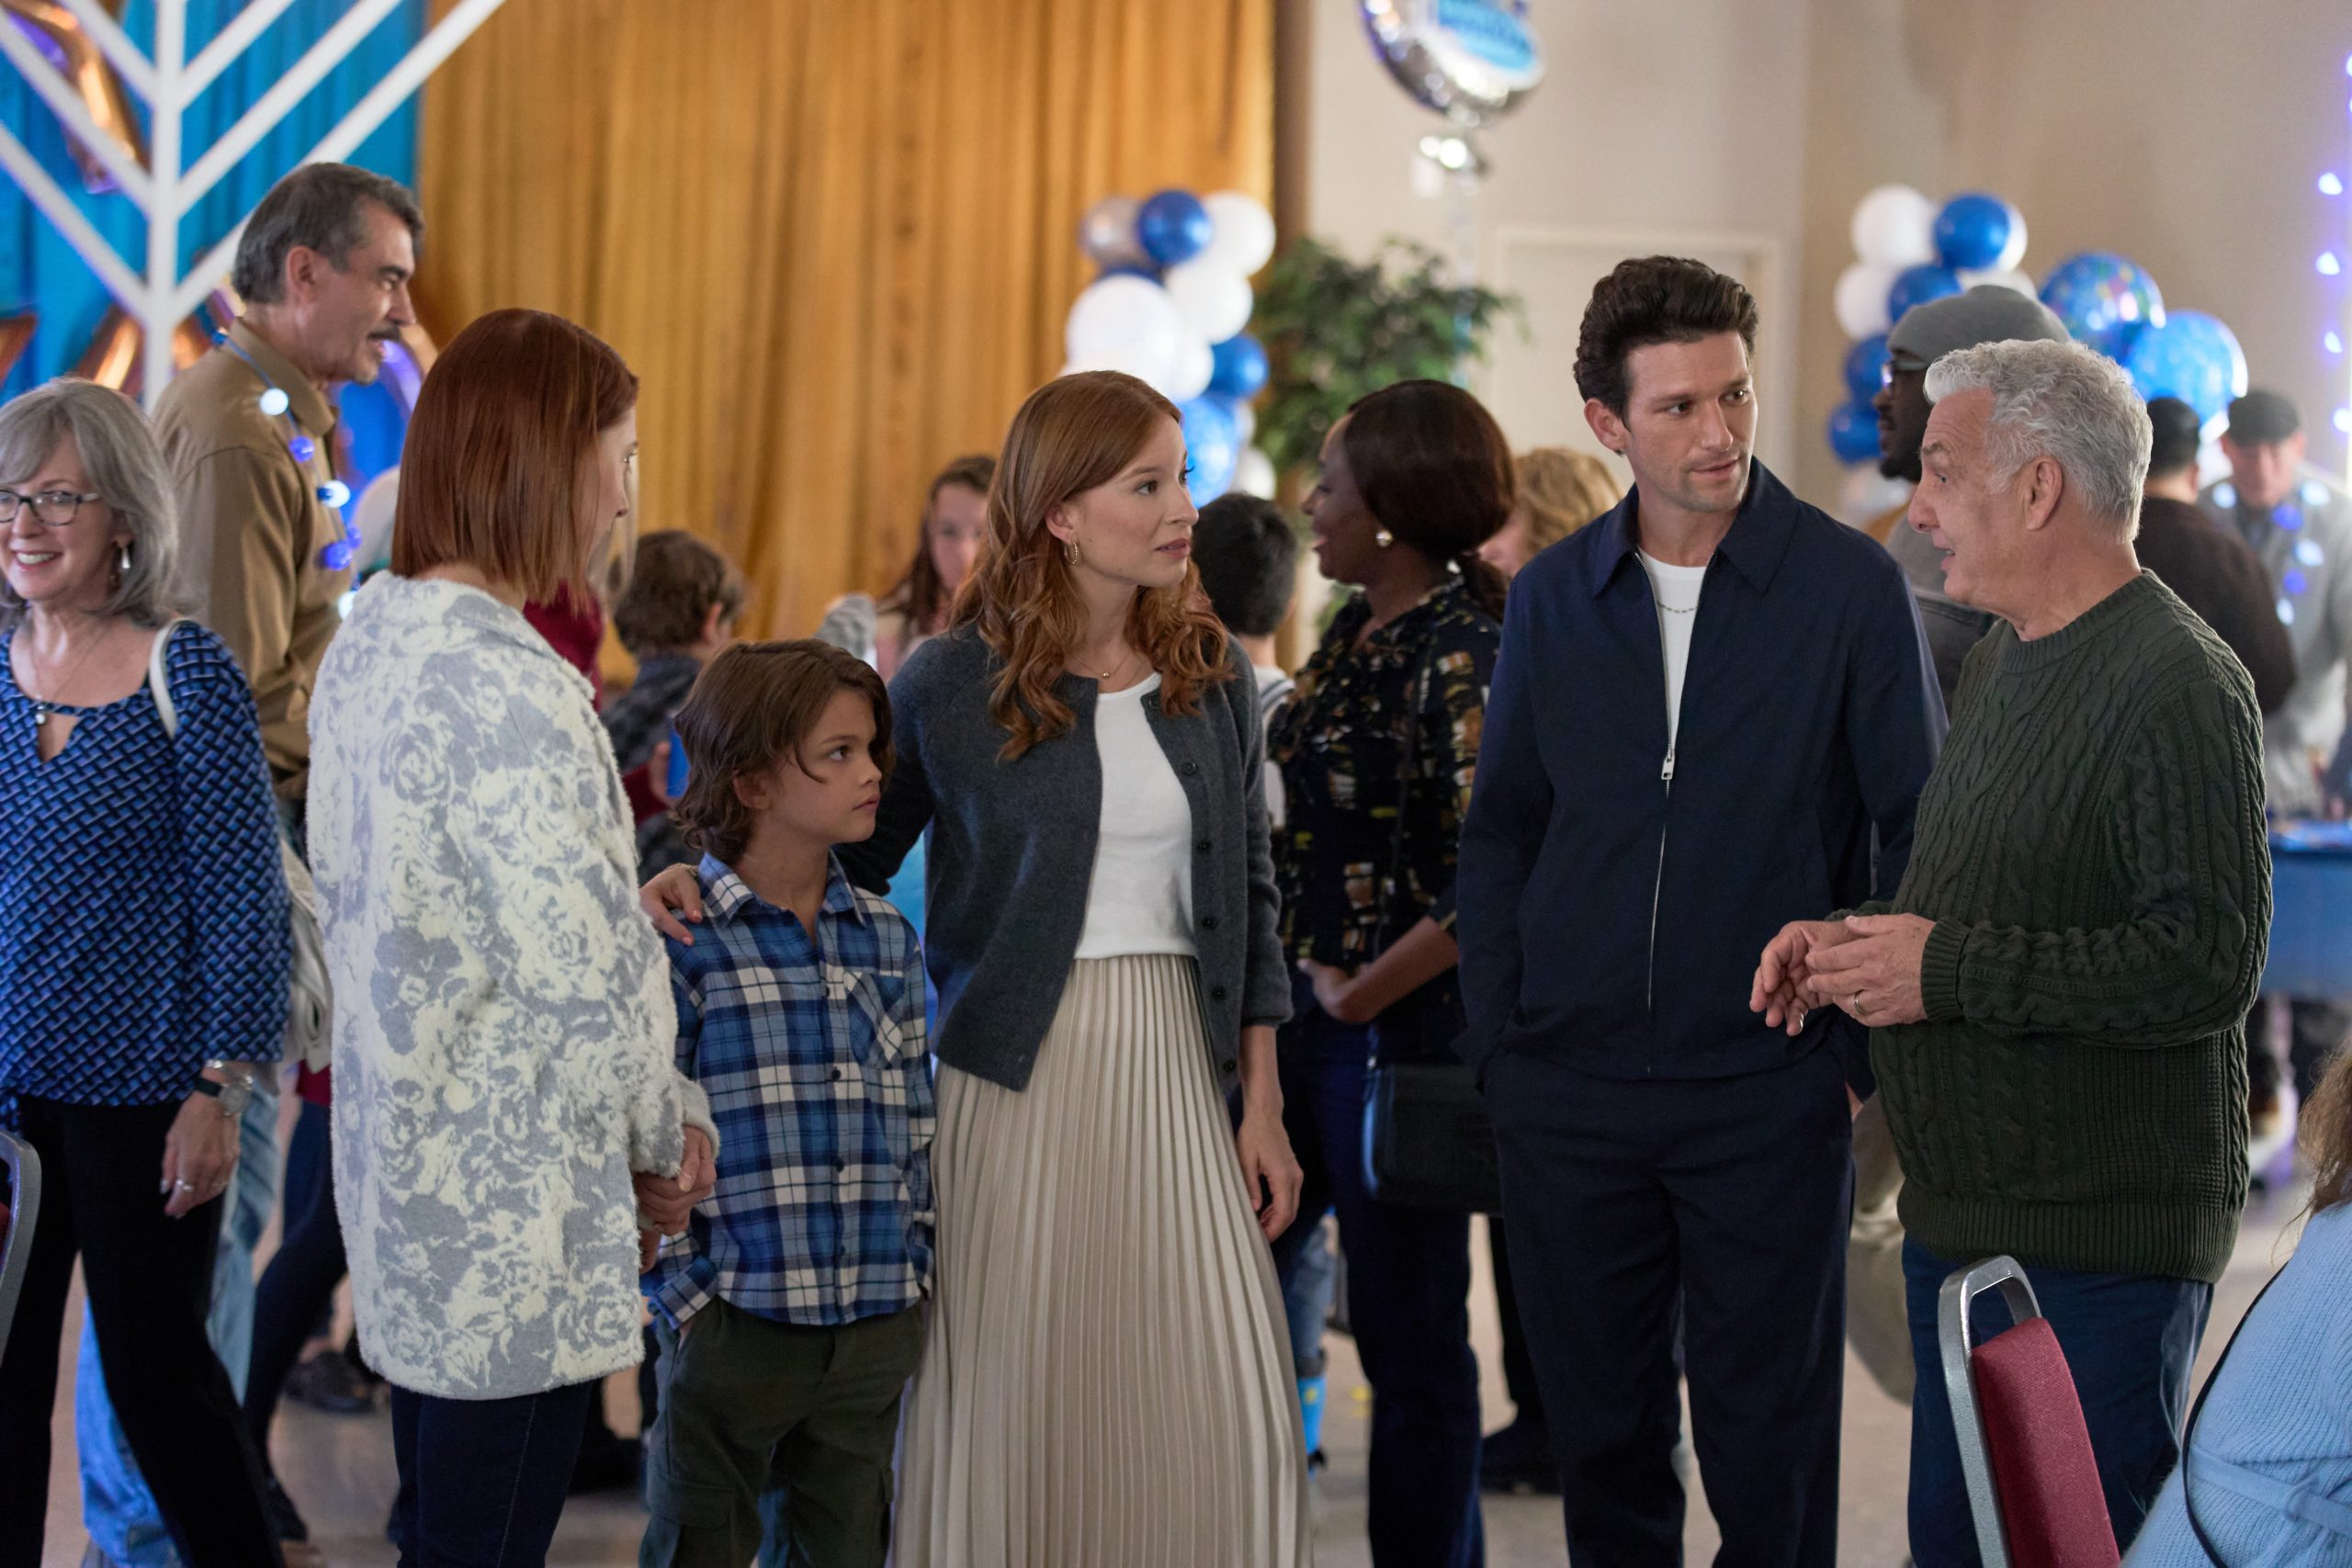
{"x":679,"y":611}
{"x":790,"y":1312}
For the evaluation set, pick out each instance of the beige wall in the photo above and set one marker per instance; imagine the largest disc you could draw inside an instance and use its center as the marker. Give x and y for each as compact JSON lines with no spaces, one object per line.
{"x":2184,"y":134}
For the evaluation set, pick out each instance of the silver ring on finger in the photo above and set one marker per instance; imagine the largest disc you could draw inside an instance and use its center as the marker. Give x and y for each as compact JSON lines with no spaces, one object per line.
{"x":183,"y":1186}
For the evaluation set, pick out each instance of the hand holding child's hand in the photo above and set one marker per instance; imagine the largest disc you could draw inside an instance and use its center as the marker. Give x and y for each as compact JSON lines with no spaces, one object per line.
{"x":665,"y":1203}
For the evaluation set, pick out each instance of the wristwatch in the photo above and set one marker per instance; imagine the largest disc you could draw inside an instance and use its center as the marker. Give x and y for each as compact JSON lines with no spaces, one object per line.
{"x":233,"y":1095}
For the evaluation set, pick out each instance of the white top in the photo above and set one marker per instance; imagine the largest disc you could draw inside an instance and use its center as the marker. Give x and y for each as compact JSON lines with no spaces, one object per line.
{"x":1274,"y":689}
{"x":1140,"y":900}
{"x":1676,"y":588}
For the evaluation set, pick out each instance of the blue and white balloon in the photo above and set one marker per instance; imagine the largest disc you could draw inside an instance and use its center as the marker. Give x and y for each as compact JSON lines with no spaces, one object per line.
{"x":2103,"y":297}
{"x":1853,"y":433}
{"x":1212,"y":443}
{"x":1240,"y":366}
{"x":1866,"y":367}
{"x":1173,"y":226}
{"x":2192,"y":356}
{"x":1973,"y":231}
{"x":1916,"y":286}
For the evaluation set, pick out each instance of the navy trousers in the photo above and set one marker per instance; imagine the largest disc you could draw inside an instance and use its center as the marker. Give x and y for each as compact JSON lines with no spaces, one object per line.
{"x":1736,"y":1192}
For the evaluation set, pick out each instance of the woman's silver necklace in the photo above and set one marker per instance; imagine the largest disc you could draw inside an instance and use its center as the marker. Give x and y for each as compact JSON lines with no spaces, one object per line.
{"x":42,"y":706}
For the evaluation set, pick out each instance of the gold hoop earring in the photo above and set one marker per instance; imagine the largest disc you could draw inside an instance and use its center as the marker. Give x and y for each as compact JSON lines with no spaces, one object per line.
{"x":1383,"y":537}
{"x":1069,"y":551}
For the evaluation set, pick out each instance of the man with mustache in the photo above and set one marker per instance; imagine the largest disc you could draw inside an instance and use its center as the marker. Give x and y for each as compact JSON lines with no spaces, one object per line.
{"x":1712,"y":704}
{"x":249,"y":431}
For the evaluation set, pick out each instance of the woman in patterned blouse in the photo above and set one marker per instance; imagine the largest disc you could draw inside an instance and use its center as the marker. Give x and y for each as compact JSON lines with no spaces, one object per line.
{"x":143,"y":959}
{"x":1378,"y":749}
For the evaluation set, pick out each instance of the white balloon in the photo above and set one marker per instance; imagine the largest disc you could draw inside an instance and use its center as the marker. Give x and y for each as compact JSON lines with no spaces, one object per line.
{"x":1999,"y":277}
{"x":1894,"y":227}
{"x":1245,"y":422}
{"x":2014,"y":252}
{"x":1867,"y":495}
{"x":1187,"y":377}
{"x":1124,"y":323}
{"x":1861,"y":299}
{"x":1253,"y":474}
{"x":1242,"y":232}
{"x":1214,"y":301}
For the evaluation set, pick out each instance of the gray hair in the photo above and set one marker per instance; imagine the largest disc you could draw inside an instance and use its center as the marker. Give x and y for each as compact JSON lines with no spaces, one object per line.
{"x":125,"y":468}
{"x":321,"y":208}
{"x":2064,"y":401}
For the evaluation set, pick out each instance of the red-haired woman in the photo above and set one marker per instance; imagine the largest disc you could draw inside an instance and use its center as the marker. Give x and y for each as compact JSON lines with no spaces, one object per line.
{"x":1107,"y":1377}
{"x":503,"y":1022}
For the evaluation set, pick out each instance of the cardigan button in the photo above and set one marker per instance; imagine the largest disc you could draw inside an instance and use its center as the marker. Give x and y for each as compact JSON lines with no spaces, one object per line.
{"x":1192,"y":767}
{"x":1208,"y":922}
{"x":1202,"y":846}
{"x":1216,"y":993}
{"x":1226,"y":1065}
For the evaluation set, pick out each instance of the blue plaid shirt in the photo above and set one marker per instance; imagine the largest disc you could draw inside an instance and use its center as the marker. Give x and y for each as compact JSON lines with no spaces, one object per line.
{"x":814,"y":1055}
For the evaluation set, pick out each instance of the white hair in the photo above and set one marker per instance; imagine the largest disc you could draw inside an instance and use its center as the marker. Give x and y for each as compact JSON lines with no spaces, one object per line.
{"x":2064,"y":401}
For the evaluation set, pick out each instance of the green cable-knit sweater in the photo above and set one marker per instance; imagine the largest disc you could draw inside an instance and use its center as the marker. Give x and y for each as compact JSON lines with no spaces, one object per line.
{"x":2091,"y":850}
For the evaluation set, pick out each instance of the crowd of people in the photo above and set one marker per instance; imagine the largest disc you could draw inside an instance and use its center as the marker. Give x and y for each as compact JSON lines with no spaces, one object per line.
{"x":942,"y":1047}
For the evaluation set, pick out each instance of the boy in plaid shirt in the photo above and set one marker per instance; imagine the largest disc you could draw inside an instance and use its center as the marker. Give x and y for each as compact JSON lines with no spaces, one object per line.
{"x":790,"y":1312}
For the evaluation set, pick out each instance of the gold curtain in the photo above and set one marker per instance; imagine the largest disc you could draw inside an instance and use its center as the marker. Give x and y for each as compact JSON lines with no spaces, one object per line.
{"x":836,"y":241}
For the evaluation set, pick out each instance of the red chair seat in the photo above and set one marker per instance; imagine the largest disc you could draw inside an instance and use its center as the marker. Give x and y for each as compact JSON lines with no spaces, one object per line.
{"x":2051,"y":1504}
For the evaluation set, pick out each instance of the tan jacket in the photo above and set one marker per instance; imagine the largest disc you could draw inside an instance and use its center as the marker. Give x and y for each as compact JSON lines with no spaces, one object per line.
{"x":251,"y":526}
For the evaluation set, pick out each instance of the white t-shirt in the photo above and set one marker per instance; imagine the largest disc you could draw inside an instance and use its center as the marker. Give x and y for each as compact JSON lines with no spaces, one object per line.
{"x":1274,"y":689}
{"x":1676,"y":588}
{"x":1140,"y":900}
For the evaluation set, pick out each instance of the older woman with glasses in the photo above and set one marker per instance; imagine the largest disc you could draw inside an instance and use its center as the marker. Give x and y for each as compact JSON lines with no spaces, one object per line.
{"x":143,"y":958}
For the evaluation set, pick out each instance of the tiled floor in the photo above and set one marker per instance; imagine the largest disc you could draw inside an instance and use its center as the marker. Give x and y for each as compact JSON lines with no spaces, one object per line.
{"x":340,"y":1469}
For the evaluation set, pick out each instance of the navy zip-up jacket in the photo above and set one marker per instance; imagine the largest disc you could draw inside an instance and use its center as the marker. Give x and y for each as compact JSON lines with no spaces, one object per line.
{"x":1614,"y":900}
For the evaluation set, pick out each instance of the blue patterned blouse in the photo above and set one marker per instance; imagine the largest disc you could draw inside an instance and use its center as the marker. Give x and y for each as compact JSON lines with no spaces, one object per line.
{"x":143,"y":913}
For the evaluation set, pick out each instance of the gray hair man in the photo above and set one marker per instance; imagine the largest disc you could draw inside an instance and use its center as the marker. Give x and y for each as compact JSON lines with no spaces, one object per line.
{"x":2300,"y":524}
{"x":2057,"y":991}
{"x":249,"y":431}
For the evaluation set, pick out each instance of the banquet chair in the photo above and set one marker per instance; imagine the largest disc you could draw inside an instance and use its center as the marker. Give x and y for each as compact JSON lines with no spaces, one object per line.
{"x":19,"y":1213}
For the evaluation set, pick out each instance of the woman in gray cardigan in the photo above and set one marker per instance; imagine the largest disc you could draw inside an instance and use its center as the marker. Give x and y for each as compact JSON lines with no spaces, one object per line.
{"x":1107,"y":1377}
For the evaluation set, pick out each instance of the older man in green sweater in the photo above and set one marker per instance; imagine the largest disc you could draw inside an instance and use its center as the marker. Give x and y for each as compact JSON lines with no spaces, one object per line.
{"x":2057,"y":993}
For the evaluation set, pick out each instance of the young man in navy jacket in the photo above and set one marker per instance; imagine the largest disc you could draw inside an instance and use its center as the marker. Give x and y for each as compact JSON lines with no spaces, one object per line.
{"x":1713,"y":711}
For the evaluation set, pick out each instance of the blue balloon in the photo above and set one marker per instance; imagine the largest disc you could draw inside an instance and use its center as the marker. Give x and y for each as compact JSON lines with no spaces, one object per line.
{"x":1866,"y":367}
{"x":1240,"y":366}
{"x":2190,"y":356}
{"x":1212,"y":443}
{"x":2103,"y":299}
{"x":1174,"y":226}
{"x":1916,"y":286}
{"x":1853,"y":433}
{"x":1972,"y":231}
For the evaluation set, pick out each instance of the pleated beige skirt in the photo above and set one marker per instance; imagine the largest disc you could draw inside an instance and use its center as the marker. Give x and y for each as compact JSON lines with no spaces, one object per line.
{"x":1107,"y":1381}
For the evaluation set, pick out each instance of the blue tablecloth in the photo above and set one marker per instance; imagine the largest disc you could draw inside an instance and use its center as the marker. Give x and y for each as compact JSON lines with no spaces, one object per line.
{"x":2310,"y":920}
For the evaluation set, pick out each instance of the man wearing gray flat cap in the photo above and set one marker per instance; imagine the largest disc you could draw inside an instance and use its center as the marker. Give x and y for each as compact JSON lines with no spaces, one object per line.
{"x":2300,"y":525}
{"x":1986,"y":313}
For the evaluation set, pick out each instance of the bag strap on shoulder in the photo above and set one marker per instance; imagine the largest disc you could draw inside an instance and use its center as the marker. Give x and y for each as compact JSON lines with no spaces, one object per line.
{"x":159,"y":680}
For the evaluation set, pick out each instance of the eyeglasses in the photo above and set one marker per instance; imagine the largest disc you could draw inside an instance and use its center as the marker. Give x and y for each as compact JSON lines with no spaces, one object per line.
{"x":54,"y":507}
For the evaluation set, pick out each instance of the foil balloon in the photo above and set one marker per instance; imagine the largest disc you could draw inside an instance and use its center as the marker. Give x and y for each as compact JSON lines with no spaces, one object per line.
{"x":58,"y":35}
{"x":2103,"y":299}
{"x":1472,"y":61}
{"x":1107,"y":235}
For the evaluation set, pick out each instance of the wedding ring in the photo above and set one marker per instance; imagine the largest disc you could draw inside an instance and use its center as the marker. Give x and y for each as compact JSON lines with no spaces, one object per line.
{"x":183,"y":1186}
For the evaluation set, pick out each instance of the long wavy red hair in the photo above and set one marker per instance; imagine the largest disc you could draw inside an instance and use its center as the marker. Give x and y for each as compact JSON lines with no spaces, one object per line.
{"x":1073,"y":433}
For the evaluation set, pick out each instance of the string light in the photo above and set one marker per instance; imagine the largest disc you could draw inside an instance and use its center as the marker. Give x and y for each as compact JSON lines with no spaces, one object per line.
{"x":2330,"y":341}
{"x":2328,"y":265}
{"x":2330,"y":184}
